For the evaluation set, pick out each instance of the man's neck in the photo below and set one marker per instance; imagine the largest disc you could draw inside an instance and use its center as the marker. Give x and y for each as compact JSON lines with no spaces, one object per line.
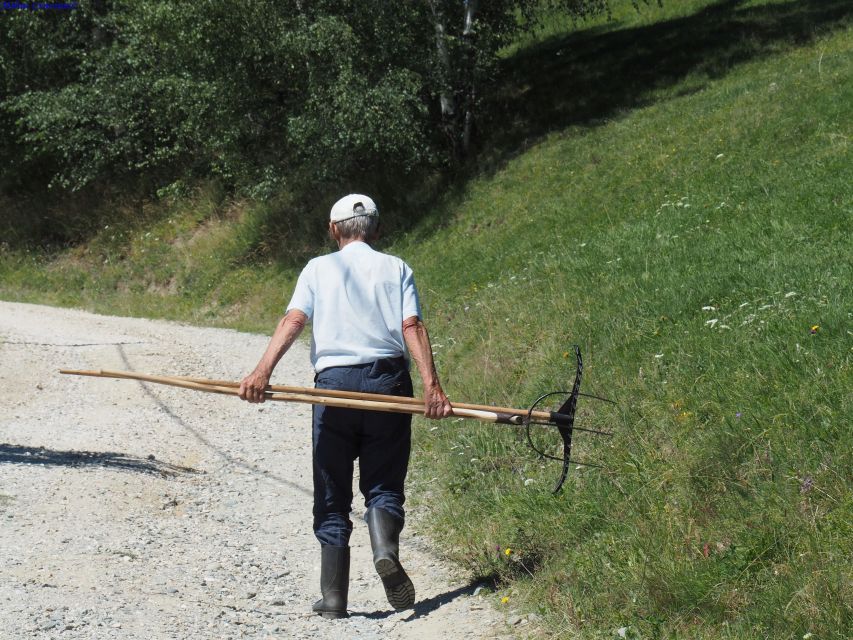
{"x":345,"y":241}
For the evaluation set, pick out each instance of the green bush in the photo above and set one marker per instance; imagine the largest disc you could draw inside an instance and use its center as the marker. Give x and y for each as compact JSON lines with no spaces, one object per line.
{"x":266,"y":96}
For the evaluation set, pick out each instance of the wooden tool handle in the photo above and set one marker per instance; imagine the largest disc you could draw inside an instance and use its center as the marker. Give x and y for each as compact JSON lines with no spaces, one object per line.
{"x":345,"y":399}
{"x":359,"y":395}
{"x":331,"y":393}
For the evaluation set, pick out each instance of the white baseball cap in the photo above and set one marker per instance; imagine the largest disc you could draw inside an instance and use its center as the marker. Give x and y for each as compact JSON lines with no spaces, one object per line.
{"x":353,"y":206}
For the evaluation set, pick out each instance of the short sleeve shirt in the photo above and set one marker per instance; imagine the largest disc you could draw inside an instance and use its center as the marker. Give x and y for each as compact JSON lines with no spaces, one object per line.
{"x":356,"y":299}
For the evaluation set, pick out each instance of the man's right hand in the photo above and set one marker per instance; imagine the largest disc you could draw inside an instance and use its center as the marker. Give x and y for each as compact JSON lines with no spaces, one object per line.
{"x":289,"y":327}
{"x":436,"y":404}
{"x":253,"y":387}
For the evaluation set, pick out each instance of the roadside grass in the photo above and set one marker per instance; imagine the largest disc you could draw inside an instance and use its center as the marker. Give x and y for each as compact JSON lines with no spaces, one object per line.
{"x":673,"y":192}
{"x":198,"y":259}
{"x":698,"y":250}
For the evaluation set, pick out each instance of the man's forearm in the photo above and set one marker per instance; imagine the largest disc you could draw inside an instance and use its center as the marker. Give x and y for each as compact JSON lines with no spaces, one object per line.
{"x":436,"y":404}
{"x":288,"y":329}
{"x":417,"y":340}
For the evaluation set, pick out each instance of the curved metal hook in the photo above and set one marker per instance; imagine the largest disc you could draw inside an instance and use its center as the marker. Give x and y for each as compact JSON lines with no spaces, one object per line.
{"x":565,"y":423}
{"x":566,"y":430}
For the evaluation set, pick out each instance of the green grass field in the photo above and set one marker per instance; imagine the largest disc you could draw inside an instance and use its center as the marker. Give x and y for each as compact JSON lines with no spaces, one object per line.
{"x":671,"y":191}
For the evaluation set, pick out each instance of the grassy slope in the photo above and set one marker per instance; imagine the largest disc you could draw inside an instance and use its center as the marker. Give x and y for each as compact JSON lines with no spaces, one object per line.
{"x":683,"y":170}
{"x":688,"y":247}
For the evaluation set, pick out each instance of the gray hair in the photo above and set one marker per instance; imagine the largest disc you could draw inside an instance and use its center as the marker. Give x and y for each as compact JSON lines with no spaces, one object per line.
{"x":359,"y":227}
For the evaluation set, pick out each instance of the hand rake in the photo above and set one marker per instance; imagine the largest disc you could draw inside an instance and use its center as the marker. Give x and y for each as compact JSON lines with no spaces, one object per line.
{"x":563,"y":420}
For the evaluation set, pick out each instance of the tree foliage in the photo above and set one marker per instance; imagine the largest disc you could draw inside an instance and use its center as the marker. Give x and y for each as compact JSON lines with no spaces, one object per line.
{"x":266,"y":95}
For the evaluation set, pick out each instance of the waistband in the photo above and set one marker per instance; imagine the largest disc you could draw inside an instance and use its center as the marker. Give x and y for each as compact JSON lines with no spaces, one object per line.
{"x":383,"y":365}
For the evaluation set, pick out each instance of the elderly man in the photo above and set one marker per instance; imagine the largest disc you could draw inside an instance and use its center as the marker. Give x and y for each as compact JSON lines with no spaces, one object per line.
{"x":366,"y":321}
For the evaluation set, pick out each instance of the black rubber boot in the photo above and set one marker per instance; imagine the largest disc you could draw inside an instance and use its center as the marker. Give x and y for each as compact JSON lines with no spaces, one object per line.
{"x":385,"y":541}
{"x":334,"y":582}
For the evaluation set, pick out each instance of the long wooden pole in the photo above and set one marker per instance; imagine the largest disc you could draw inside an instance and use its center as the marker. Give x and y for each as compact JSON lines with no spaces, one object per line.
{"x":331,"y":398}
{"x":311,"y":391}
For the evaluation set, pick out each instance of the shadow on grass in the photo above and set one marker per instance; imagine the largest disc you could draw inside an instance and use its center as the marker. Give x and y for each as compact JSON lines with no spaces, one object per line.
{"x":589,"y":76}
{"x":16,"y":454}
{"x":583,"y":78}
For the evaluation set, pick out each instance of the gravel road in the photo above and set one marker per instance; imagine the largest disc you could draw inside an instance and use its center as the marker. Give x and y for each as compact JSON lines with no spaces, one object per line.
{"x":130,"y":510}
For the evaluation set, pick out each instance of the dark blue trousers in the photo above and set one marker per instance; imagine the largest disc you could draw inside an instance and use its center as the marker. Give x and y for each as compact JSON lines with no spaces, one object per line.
{"x":380,"y":441}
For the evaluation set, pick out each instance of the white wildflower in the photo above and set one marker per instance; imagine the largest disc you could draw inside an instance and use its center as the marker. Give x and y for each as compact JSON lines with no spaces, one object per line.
{"x":712,"y":322}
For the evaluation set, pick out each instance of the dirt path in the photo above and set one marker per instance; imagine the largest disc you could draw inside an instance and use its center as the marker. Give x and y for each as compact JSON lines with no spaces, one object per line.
{"x":140,"y":511}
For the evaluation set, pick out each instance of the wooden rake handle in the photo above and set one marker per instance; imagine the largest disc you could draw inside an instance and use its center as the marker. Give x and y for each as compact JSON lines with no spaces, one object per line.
{"x":327,"y":397}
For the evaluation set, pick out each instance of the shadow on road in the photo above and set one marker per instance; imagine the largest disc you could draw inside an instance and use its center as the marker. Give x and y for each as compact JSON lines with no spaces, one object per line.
{"x":15,"y":454}
{"x":423,"y":607}
{"x":202,"y":438}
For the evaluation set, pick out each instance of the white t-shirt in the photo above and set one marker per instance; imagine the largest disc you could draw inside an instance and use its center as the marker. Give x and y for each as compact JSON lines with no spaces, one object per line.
{"x":356,"y":299}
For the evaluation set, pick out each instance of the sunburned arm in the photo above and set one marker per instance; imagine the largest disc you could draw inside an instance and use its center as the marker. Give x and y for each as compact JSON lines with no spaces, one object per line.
{"x":436,"y":404}
{"x":289,"y":327}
